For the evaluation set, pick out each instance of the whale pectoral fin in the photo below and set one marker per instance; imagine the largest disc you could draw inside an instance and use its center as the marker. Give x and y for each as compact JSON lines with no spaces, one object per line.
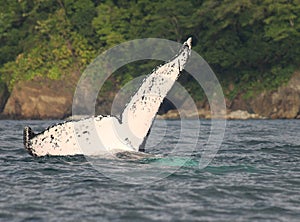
{"x":28,"y":134}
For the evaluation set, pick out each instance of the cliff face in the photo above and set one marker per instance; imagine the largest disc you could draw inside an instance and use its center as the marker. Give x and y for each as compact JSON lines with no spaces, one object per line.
{"x":39,"y":100}
{"x":283,"y":103}
{"x":45,"y":99}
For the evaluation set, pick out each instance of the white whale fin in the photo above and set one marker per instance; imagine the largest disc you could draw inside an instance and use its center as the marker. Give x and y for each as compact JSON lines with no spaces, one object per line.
{"x":104,"y":135}
{"x":140,"y":112}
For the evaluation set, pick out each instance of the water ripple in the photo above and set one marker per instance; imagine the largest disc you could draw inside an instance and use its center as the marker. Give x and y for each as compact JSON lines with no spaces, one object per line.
{"x":255,"y":176}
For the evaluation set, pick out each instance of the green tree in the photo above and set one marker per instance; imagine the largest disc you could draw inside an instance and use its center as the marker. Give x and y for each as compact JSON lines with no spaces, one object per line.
{"x":80,"y":13}
{"x":168,"y":19}
{"x":58,"y":52}
{"x":243,"y":39}
{"x":249,"y":42}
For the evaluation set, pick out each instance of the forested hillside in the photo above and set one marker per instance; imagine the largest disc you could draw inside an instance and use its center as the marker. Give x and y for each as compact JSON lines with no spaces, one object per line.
{"x":251,"y":44}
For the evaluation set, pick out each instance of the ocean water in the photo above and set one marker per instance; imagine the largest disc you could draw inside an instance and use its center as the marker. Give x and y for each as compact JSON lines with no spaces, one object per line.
{"x":255,"y":176}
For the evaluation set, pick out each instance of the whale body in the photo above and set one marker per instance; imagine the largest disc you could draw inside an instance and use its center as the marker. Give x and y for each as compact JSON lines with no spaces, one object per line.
{"x":109,"y":135}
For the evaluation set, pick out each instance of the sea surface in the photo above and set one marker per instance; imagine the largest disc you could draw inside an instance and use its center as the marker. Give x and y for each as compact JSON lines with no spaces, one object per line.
{"x":254,"y":176}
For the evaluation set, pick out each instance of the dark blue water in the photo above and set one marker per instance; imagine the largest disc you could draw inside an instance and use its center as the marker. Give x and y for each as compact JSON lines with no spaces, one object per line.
{"x":255,"y":176}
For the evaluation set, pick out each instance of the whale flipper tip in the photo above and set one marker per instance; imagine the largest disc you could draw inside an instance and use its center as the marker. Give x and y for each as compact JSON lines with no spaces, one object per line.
{"x":189,"y":42}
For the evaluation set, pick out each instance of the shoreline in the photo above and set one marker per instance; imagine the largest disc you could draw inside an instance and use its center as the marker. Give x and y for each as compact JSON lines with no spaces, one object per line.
{"x":170,"y":115}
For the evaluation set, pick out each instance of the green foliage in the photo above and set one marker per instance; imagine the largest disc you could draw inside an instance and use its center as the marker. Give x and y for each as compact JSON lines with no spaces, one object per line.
{"x":277,"y":76}
{"x":252,"y":44}
{"x":195,"y":90}
{"x":110,"y":24}
{"x":169,"y":19}
{"x":59,"y":51}
{"x":80,"y":14}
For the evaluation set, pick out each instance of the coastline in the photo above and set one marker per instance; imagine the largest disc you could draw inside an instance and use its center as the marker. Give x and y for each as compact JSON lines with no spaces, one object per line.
{"x":206,"y":114}
{"x":45,"y":99}
{"x":170,"y":115}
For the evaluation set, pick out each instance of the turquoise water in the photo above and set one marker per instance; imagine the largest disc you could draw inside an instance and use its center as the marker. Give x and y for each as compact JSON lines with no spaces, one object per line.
{"x":255,"y":176}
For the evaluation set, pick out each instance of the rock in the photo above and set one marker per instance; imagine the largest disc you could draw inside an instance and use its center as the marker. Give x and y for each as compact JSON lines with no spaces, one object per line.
{"x":174,"y":114}
{"x":76,"y":117}
{"x":240,"y":103}
{"x":204,"y":113}
{"x":43,"y":99}
{"x":171,"y":114}
{"x":282,"y":103}
{"x":242,"y":114}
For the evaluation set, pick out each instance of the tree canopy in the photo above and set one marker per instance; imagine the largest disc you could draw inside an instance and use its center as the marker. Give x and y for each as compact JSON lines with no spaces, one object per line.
{"x":250,"y":43}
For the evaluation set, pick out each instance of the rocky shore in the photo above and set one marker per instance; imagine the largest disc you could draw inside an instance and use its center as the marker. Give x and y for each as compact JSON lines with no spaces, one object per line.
{"x":45,"y":99}
{"x":206,"y":114}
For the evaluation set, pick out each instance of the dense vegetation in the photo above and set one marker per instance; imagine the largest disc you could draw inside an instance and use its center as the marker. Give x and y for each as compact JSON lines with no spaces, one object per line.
{"x":251,"y":44}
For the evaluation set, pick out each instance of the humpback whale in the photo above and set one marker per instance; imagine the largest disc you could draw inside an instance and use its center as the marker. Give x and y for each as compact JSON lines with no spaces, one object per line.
{"x":106,"y":135}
